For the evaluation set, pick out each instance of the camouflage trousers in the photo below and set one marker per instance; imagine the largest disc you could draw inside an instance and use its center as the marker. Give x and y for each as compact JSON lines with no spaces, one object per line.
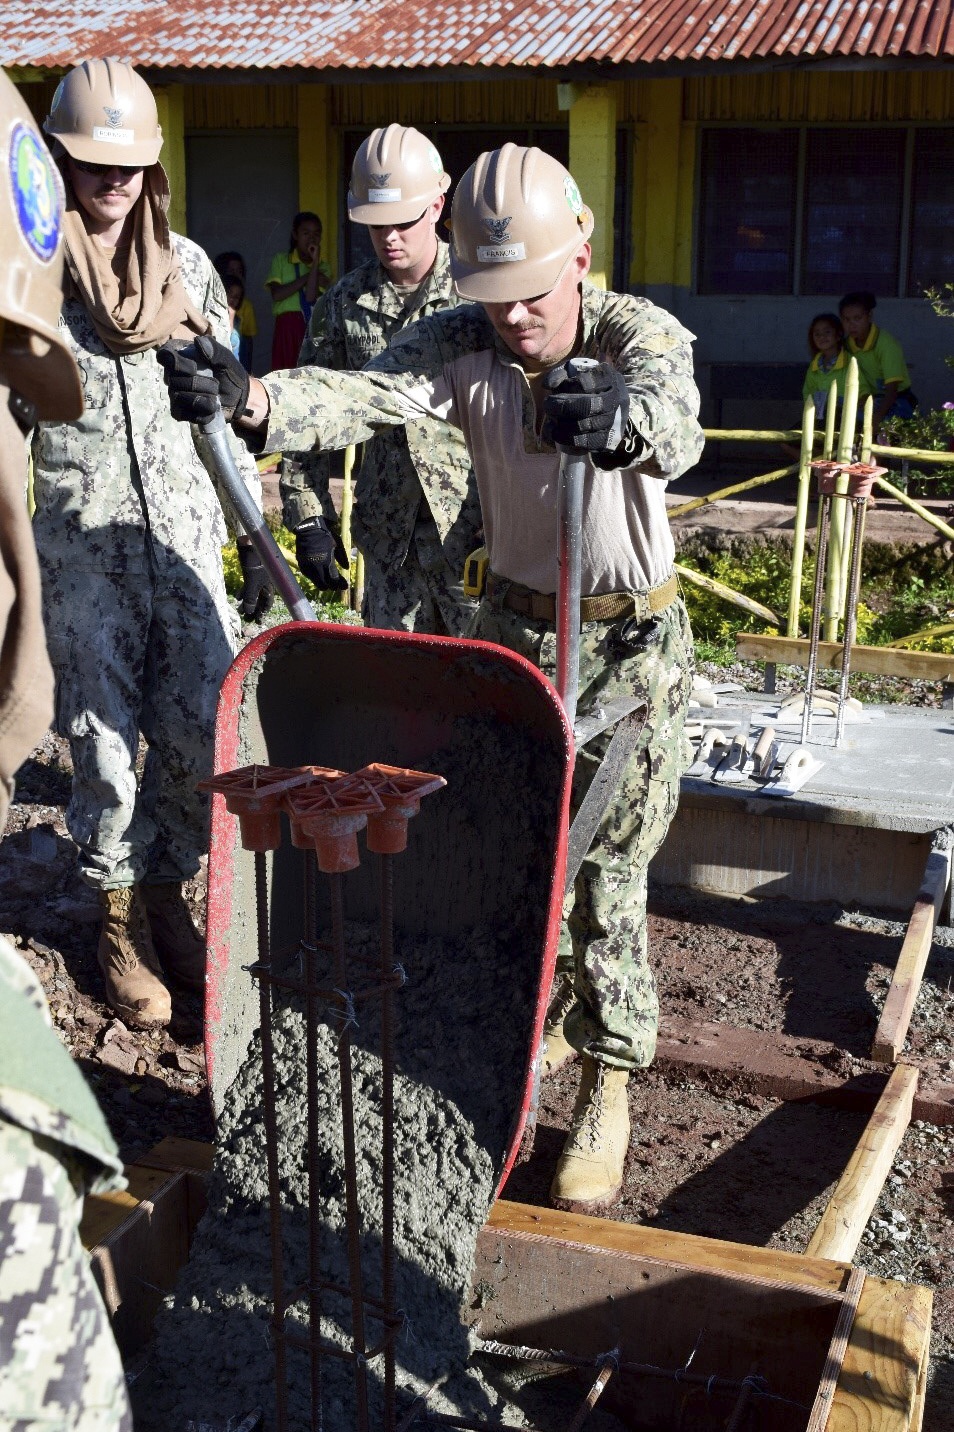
{"x":603,"y":947}
{"x":138,"y":653}
{"x":421,"y":595}
{"x":59,"y":1365}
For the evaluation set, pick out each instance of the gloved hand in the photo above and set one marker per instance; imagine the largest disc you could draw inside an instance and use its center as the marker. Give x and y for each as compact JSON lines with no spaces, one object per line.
{"x":192,"y":392}
{"x":586,"y":411}
{"x":319,"y":553}
{"x":257,"y":590}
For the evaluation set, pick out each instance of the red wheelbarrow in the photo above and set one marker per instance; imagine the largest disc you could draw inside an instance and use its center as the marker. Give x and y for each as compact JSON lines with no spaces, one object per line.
{"x":488,"y":852}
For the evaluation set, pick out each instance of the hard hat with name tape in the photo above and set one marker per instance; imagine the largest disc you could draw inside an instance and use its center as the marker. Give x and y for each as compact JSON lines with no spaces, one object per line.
{"x":517,"y":222}
{"x":104,"y":113}
{"x":396,"y":174}
{"x":35,"y":360}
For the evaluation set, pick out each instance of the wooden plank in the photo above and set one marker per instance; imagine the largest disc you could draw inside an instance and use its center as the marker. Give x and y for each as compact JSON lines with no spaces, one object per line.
{"x":843,"y":1222}
{"x":875,"y":660}
{"x":882,"y":1371}
{"x":772,"y":1264}
{"x":915,"y":949}
{"x":180,"y":1155}
{"x":104,"y":1212}
{"x":818,"y":1419}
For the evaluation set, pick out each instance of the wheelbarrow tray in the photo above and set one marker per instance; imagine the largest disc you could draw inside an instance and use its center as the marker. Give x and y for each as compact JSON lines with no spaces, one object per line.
{"x":486,"y":853}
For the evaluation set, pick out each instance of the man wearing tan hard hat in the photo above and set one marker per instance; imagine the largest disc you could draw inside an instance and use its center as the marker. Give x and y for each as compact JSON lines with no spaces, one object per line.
{"x":59,"y":1365}
{"x":414,"y":521}
{"x":129,"y":531}
{"x":497,"y":369}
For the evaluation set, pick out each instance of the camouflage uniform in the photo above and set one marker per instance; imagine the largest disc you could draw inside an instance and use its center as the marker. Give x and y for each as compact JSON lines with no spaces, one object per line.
{"x":59,"y":1365}
{"x":415,"y":521}
{"x":454,"y":367}
{"x":129,"y":532}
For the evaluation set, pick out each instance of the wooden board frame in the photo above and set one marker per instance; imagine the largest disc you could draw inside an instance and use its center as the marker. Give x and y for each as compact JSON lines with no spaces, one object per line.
{"x":874,"y":660}
{"x":913,"y":957}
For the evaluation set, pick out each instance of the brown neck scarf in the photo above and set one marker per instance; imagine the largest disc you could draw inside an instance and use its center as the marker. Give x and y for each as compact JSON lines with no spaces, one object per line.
{"x":145,"y":303}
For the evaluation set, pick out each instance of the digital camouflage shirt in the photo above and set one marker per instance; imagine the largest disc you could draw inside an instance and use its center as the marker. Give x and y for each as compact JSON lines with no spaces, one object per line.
{"x":356,"y":321}
{"x":126,"y":473}
{"x":451,"y":371}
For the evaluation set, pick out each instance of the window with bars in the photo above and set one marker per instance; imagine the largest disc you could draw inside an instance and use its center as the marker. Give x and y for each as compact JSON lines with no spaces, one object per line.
{"x":821,"y":210}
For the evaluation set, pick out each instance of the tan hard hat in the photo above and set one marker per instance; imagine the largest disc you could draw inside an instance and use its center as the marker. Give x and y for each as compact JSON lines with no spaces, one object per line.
{"x":34,"y":359}
{"x":103,"y":112}
{"x":517,"y":222}
{"x":396,"y":173}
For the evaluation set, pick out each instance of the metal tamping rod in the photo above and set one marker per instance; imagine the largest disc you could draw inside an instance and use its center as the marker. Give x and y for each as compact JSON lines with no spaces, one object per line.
{"x":821,"y":545}
{"x":271,"y":1144}
{"x":315,"y":1298}
{"x":353,"y":1213}
{"x":859,"y":508}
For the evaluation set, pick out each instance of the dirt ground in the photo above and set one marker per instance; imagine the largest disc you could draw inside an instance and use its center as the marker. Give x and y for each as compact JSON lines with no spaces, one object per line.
{"x":745,"y":1167}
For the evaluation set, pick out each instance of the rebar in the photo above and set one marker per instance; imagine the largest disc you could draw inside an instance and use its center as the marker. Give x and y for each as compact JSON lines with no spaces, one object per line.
{"x":314,"y":1170}
{"x":271,"y":1147}
{"x":821,"y":544}
{"x":859,"y":507}
{"x":749,"y":1386}
{"x":350,"y":1162}
{"x":610,"y":1365}
{"x":387,"y":1134}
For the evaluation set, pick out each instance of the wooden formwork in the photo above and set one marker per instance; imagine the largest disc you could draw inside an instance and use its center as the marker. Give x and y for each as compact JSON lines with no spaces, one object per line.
{"x":850,"y":1347}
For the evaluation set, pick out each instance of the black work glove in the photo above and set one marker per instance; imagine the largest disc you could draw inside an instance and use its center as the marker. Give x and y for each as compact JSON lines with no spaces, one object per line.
{"x":586,"y":411}
{"x":193,"y":393}
{"x":257,"y":590}
{"x":319,"y":553}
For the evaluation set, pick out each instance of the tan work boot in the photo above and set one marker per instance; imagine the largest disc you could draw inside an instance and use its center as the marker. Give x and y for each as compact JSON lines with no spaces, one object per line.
{"x":555,"y":1050}
{"x":590,"y":1169}
{"x":128,"y":961}
{"x":180,"y":947}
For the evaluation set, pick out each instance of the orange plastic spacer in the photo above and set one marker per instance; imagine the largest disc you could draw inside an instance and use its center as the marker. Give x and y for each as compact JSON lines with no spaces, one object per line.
{"x":254,"y":794}
{"x":400,"y":792}
{"x":330,"y":813}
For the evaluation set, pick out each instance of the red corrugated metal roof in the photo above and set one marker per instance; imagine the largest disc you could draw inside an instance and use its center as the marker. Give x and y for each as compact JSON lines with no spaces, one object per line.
{"x":361,"y":34}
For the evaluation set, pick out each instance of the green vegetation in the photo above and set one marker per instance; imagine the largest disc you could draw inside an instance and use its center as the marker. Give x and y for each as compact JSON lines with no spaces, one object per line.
{"x":328,"y":606}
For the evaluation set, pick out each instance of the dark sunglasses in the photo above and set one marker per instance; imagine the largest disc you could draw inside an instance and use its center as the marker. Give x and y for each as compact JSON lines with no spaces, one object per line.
{"x":98,"y":170}
{"x":408,"y":224}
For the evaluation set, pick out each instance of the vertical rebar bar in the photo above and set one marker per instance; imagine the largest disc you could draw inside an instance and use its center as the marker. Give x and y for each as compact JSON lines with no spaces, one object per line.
{"x":352,"y":1215}
{"x":801,"y":516}
{"x":314,"y":1173}
{"x":821,"y":543}
{"x":851,"y":609}
{"x":387,"y":1135}
{"x":271,"y":1144}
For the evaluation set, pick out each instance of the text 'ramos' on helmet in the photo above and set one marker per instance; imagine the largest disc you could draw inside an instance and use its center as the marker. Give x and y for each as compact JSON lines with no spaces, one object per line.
{"x":396,"y":174}
{"x":516,"y":224}
{"x":34,"y":358}
{"x":104,"y":113}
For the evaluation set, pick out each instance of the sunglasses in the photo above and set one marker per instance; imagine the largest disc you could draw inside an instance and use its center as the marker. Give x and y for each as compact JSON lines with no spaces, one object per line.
{"x":98,"y":170}
{"x":408,"y":224}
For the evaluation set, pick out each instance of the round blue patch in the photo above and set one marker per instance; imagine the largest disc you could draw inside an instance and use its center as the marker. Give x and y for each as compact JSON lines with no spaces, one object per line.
{"x":36,"y":194}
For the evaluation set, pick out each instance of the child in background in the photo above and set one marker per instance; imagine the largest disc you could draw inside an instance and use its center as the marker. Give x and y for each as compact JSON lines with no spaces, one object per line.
{"x":228,"y":265}
{"x":294,"y":281}
{"x":880,"y":359}
{"x":234,"y":297}
{"x":826,"y":341}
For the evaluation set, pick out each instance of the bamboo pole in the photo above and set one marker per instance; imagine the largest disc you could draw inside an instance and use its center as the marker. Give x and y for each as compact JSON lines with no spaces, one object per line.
{"x":719,"y":589}
{"x":752,"y":435}
{"x":761,"y":481}
{"x":834,"y":581}
{"x":867,"y":424}
{"x":916,"y":454}
{"x":915,"y":506}
{"x":831,"y":410}
{"x":801,"y":515}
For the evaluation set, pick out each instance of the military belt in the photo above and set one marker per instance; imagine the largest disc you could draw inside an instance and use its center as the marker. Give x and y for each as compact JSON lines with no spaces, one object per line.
{"x":605,"y":607}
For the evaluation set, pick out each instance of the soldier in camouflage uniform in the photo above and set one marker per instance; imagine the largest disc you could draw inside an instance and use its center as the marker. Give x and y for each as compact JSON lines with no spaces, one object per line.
{"x":497,"y":369}
{"x":59,"y":1365}
{"x":414,"y":521}
{"x":129,"y":530}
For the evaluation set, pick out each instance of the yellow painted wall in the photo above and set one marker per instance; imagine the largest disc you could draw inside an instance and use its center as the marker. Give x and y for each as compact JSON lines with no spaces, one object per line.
{"x":170,"y":104}
{"x":318,"y":165}
{"x":593,"y":165}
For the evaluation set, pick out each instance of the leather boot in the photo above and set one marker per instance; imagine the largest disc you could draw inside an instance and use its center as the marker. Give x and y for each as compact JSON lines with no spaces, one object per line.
{"x":555,"y":1050}
{"x":180,"y":947}
{"x":590,"y":1169}
{"x":128,"y":961}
